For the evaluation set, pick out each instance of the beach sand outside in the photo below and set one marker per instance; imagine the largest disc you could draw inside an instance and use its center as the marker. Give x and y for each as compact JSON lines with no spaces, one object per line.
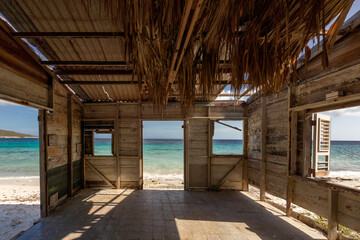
{"x":19,"y":205}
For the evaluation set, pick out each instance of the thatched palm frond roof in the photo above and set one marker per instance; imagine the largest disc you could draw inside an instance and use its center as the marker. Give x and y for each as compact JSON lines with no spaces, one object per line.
{"x":257,"y":41}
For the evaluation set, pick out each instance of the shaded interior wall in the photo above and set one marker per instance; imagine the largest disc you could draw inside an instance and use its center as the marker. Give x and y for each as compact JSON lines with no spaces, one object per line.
{"x":288,"y":143}
{"x":276,"y":142}
{"x":125,"y":168}
{"x":57,"y":147}
{"x":306,"y":99}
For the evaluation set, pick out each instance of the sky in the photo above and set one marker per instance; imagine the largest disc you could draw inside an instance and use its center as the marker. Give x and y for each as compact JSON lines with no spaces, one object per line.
{"x":345,"y":123}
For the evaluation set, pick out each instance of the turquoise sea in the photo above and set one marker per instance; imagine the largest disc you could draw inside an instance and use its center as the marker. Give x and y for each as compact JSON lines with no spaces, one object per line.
{"x":20,"y":157}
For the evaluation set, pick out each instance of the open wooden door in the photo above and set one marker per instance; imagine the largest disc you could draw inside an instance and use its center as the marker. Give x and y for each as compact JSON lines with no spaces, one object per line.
{"x":321,"y":147}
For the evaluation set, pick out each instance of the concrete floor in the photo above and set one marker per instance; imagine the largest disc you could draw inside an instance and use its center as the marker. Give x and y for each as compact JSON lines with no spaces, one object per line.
{"x":168,"y":214}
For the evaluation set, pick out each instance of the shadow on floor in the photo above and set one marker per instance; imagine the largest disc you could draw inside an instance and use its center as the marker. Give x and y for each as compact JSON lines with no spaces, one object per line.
{"x":165,"y":214}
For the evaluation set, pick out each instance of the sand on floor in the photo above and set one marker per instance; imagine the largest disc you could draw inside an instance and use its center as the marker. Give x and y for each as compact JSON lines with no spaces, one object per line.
{"x":19,"y":205}
{"x":20,"y":198}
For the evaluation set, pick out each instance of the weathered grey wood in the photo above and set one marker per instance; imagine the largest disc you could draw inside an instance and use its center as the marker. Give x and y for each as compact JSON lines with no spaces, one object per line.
{"x":333,"y":214}
{"x":330,"y":102}
{"x":263,"y":149}
{"x":289,"y":196}
{"x":224,"y":179}
{"x":99,"y":174}
{"x":22,"y":91}
{"x":83,"y":177}
{"x":227,"y":125}
{"x":186,"y":154}
{"x":69,"y":146}
{"x":307,"y":144}
{"x":44,"y":211}
{"x":140,"y":146}
{"x":293,"y":147}
{"x":116,"y":142}
{"x":245,"y":153}
{"x":209,"y":147}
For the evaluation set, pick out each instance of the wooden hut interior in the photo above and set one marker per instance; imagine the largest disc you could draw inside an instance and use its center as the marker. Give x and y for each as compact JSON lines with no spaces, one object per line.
{"x":109,"y":65}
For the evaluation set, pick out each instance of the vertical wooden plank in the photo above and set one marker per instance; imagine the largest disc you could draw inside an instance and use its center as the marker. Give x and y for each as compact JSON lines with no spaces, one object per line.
{"x":307,"y":145}
{"x":43,"y":164}
{"x":51,"y":91}
{"x":209,"y":145}
{"x":333,"y":214}
{"x":290,"y":183}
{"x":245,"y":153}
{"x":186,"y":154}
{"x":289,"y":195}
{"x":315,"y":145}
{"x":293,"y":145}
{"x":263,"y":149}
{"x":69,"y":142}
{"x":140,"y":154}
{"x":116,"y":142}
{"x":83,"y":177}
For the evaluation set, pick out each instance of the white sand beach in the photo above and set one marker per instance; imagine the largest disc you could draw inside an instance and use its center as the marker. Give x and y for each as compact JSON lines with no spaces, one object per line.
{"x":163,"y":181}
{"x":19,"y":205}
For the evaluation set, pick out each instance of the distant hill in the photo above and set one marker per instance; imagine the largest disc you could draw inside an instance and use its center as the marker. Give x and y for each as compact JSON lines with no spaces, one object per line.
{"x":12,"y":134}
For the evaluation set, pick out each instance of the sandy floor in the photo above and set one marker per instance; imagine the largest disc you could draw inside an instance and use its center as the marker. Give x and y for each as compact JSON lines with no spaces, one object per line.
{"x":19,"y":205}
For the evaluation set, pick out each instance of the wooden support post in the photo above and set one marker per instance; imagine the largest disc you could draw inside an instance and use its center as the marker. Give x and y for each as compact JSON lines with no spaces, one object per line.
{"x":332,"y":214}
{"x":289,"y":195}
{"x":44,"y":208}
{"x":210,"y":138}
{"x":306,"y":171}
{"x":293,"y":145}
{"x":116,"y":143}
{"x":70,"y":155}
{"x":186,"y":154}
{"x":83,"y":178}
{"x":140,"y":153}
{"x":245,"y":180}
{"x":263,"y":149}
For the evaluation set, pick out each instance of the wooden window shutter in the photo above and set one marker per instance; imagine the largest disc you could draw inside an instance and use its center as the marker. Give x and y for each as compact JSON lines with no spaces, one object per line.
{"x":321,"y":147}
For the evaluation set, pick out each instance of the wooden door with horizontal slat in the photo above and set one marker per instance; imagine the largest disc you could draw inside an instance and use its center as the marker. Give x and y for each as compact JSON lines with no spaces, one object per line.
{"x":321,"y":147}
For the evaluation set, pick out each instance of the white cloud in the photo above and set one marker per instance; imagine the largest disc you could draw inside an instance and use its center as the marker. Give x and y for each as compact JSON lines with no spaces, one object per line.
{"x":354,"y":112}
{"x":6,"y":103}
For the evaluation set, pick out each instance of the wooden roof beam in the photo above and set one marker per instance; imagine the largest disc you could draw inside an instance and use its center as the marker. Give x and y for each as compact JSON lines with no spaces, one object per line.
{"x":67,"y":34}
{"x":93,"y":72}
{"x":188,"y":35}
{"x":184,"y":20}
{"x":85,"y":63}
{"x":74,"y":82}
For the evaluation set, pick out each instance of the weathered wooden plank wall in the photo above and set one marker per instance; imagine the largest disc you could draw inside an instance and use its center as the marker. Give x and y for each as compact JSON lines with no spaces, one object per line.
{"x":306,"y":99}
{"x":276,"y":143}
{"x":22,"y":79}
{"x":59,"y":138}
{"x":128,"y":131}
{"x":223,"y":165}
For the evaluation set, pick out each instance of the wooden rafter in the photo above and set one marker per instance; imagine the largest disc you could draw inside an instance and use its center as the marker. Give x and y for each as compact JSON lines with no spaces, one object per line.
{"x":67,"y":34}
{"x":93,"y":72}
{"x":85,"y":63}
{"x":194,"y":18}
{"x":184,"y":20}
{"x":73,"y":82}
